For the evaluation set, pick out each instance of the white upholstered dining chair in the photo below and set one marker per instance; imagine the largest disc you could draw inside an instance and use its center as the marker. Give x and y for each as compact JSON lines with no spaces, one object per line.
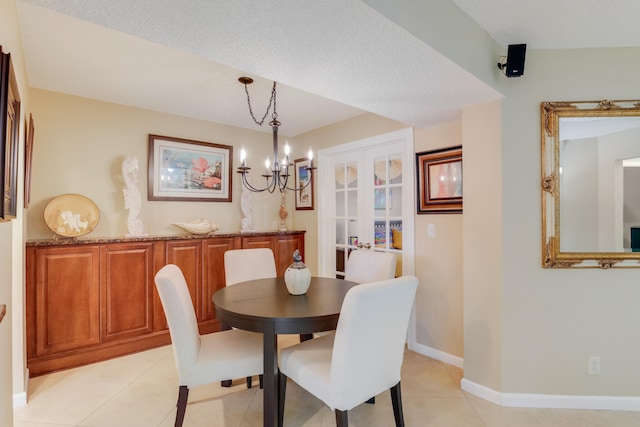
{"x":367,"y":265}
{"x":248,"y":264}
{"x":364,"y":356}
{"x":202,"y":359}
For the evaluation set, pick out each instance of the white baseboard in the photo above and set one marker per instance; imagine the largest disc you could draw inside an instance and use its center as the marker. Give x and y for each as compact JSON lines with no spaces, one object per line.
{"x":530,"y":400}
{"x":20,"y":399}
{"x":437,"y":354}
{"x":481,"y":391}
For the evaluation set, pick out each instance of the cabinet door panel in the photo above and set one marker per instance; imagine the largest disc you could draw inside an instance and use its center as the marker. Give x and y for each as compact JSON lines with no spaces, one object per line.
{"x":284,"y":248}
{"x":126,"y":290}
{"x":67,"y":298}
{"x":214,"y":279}
{"x":187,"y":254}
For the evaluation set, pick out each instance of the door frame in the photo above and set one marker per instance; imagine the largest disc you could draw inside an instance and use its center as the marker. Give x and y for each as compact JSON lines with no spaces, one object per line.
{"x":326,"y":201}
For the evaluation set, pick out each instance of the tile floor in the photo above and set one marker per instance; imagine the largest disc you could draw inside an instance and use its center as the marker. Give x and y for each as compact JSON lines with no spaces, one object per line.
{"x":140,"y":390}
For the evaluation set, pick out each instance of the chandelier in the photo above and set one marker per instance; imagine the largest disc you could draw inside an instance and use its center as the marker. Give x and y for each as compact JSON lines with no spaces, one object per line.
{"x":277,"y":173}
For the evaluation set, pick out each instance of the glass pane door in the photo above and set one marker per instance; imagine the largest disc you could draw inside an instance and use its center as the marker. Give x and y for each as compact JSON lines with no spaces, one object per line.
{"x":368,"y":204}
{"x":346,"y":217}
{"x":366,"y":201}
{"x":387,"y":202}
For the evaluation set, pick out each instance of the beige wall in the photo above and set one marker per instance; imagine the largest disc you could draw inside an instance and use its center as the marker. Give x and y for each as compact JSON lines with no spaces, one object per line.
{"x":528,"y":329}
{"x":79,"y":148}
{"x":438,"y":261}
{"x":482,"y":249}
{"x":554,"y":319}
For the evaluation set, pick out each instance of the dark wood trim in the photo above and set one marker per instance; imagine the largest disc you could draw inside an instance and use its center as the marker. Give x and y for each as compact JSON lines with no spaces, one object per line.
{"x":3,"y":311}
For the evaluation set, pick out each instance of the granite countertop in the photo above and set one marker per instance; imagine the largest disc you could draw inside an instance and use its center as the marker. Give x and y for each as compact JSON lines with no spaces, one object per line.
{"x":88,"y":240}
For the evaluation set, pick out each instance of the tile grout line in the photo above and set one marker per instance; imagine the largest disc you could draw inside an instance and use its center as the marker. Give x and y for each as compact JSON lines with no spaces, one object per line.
{"x":126,"y":385}
{"x":97,"y":408}
{"x":246,"y":411}
{"x":466,"y":398}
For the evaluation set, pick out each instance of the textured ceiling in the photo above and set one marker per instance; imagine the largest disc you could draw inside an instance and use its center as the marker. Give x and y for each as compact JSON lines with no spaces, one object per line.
{"x":558,"y":24}
{"x":333,"y":59}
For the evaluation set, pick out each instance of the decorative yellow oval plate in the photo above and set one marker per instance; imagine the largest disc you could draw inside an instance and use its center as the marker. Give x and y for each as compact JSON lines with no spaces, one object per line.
{"x":71,"y":215}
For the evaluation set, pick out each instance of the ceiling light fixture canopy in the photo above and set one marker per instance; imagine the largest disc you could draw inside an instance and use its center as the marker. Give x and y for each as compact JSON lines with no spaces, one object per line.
{"x":276,"y":173}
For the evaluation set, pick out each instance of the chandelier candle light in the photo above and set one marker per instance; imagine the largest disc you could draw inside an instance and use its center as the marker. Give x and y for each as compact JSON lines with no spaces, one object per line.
{"x":276,"y":174}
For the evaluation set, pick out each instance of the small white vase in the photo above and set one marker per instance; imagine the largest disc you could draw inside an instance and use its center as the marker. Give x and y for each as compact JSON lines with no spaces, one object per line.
{"x":297,"y":277}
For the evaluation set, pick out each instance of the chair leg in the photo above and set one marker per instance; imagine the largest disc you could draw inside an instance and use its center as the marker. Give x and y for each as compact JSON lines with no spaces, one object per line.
{"x":183,"y":393}
{"x":282,"y":391}
{"x":227,"y":383}
{"x":396,"y":400}
{"x":249,"y":382}
{"x":341,"y":419}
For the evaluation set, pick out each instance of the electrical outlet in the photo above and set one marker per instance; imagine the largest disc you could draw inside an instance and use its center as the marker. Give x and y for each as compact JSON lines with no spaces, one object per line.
{"x":594,"y":365}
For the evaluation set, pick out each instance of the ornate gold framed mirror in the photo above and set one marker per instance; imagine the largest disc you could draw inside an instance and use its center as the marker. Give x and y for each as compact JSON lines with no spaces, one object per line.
{"x":590,"y":184}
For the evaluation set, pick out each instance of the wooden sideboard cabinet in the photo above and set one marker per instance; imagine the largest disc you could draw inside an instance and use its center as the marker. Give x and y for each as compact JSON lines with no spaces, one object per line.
{"x":283,"y":247}
{"x":91,"y":300}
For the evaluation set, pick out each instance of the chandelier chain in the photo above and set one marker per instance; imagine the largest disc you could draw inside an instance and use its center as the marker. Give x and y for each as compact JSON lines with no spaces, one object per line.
{"x":277,"y":173}
{"x":272,"y":101}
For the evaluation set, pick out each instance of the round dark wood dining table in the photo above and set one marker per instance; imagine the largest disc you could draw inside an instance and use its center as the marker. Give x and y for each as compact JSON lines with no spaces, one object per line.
{"x":266,"y":306}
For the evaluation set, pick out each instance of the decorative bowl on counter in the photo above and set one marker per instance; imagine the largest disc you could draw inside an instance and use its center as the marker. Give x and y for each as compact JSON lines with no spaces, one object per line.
{"x":71,"y":215}
{"x":198,"y":226}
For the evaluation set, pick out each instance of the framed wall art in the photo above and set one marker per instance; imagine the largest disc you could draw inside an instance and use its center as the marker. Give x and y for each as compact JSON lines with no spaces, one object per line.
{"x":9,"y":134}
{"x":304,"y":185}
{"x":182,"y":169}
{"x":439,"y":176}
{"x":28,"y":160}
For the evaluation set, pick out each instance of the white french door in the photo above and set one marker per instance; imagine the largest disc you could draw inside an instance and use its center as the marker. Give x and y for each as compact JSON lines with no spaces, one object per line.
{"x":366,"y":201}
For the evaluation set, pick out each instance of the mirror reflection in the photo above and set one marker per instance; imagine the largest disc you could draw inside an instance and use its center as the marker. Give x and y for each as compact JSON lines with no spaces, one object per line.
{"x":599,"y":183}
{"x":591,"y":184}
